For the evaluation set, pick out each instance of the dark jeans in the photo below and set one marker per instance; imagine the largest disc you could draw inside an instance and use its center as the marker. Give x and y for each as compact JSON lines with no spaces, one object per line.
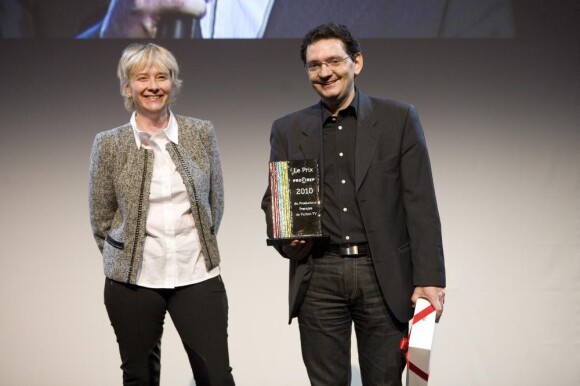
{"x":343,"y":291}
{"x":200,"y":315}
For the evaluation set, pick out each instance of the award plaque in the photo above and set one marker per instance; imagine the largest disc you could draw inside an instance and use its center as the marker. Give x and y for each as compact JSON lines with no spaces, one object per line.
{"x":296,"y":209}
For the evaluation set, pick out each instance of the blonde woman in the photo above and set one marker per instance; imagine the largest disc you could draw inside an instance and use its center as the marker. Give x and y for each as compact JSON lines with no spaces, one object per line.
{"x":156,"y":202}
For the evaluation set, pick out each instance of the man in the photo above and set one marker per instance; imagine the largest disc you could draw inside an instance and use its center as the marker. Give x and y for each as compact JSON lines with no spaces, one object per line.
{"x":379,"y":210}
{"x":253,"y":19}
{"x":48,"y":19}
{"x":289,"y":18}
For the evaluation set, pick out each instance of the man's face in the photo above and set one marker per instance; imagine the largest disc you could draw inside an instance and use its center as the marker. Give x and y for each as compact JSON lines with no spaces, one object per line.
{"x":333,"y":72}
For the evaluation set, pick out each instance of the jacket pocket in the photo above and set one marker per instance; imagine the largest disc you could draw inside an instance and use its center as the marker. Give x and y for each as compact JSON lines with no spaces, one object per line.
{"x":114,"y":243}
{"x":404,"y":248}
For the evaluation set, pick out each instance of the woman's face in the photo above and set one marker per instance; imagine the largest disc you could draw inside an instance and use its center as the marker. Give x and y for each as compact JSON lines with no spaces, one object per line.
{"x":150,"y":89}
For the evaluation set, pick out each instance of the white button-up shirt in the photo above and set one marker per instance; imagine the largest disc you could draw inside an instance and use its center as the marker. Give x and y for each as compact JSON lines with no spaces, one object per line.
{"x":172,"y":254}
{"x":229,"y":19}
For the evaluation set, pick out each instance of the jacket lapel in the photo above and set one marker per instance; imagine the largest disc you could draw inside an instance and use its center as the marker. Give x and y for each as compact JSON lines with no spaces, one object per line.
{"x":367,"y":134}
{"x":366,"y":137}
{"x":311,"y":141}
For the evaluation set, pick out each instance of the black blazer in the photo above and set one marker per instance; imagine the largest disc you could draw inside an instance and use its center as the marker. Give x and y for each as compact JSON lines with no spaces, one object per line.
{"x":394,"y":18}
{"x":394,"y":190}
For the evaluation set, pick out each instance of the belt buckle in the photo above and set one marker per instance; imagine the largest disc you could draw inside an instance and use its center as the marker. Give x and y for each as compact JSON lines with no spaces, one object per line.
{"x":350,"y":250}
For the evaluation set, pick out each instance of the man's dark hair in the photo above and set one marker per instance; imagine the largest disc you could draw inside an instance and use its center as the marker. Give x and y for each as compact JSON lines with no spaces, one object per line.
{"x":330,"y":31}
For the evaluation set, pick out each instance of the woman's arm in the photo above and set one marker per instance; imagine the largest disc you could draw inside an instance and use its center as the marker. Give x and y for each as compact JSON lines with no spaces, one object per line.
{"x":102,"y":199}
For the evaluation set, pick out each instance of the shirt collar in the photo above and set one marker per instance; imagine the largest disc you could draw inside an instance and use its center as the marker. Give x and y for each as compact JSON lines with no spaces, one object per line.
{"x":171,"y":131}
{"x":353,"y":106}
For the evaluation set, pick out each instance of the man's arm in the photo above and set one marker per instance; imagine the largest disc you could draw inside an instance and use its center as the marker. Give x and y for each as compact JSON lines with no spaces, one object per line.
{"x":422,"y":215}
{"x":435,"y":296}
{"x":140,"y":18}
{"x":478,"y":19}
{"x":297,"y":249}
{"x":423,"y":221}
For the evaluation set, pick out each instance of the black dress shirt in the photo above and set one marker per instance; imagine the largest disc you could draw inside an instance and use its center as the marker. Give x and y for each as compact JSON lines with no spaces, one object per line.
{"x":341,"y":218}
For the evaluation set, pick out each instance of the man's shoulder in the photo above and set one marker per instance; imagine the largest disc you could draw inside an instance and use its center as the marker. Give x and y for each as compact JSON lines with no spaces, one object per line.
{"x":370,"y":104}
{"x":386,"y":103}
{"x":389,"y":113}
{"x":299,"y":115}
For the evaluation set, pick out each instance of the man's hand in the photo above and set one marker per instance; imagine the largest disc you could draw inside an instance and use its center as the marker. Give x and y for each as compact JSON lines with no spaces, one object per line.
{"x":140,"y":18}
{"x":191,"y":7}
{"x":435,"y":295}
{"x":298,"y":249}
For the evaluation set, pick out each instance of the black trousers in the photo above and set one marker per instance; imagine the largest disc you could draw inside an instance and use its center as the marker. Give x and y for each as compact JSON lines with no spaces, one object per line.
{"x":200,"y":315}
{"x":344,"y":291}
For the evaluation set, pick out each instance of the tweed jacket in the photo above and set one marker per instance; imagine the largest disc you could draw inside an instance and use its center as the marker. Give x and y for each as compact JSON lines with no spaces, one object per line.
{"x":119,"y":186}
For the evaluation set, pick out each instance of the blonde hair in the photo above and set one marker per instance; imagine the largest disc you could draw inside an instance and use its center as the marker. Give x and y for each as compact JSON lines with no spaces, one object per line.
{"x":137,"y":57}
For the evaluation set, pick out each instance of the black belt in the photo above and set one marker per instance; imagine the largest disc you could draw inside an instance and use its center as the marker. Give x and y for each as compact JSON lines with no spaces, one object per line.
{"x":348,"y":250}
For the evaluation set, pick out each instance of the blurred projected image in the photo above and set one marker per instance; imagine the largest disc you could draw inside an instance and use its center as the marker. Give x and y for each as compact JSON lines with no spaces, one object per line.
{"x":253,"y":19}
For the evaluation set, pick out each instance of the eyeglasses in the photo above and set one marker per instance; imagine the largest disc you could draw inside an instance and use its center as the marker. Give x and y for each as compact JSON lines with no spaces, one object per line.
{"x":315,"y":67}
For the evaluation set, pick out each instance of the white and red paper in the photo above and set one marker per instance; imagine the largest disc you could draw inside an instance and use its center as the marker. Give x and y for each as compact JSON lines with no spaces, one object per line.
{"x":420,"y":342}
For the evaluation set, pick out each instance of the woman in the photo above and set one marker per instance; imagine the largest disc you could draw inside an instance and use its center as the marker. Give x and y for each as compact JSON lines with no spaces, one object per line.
{"x":156,"y":202}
